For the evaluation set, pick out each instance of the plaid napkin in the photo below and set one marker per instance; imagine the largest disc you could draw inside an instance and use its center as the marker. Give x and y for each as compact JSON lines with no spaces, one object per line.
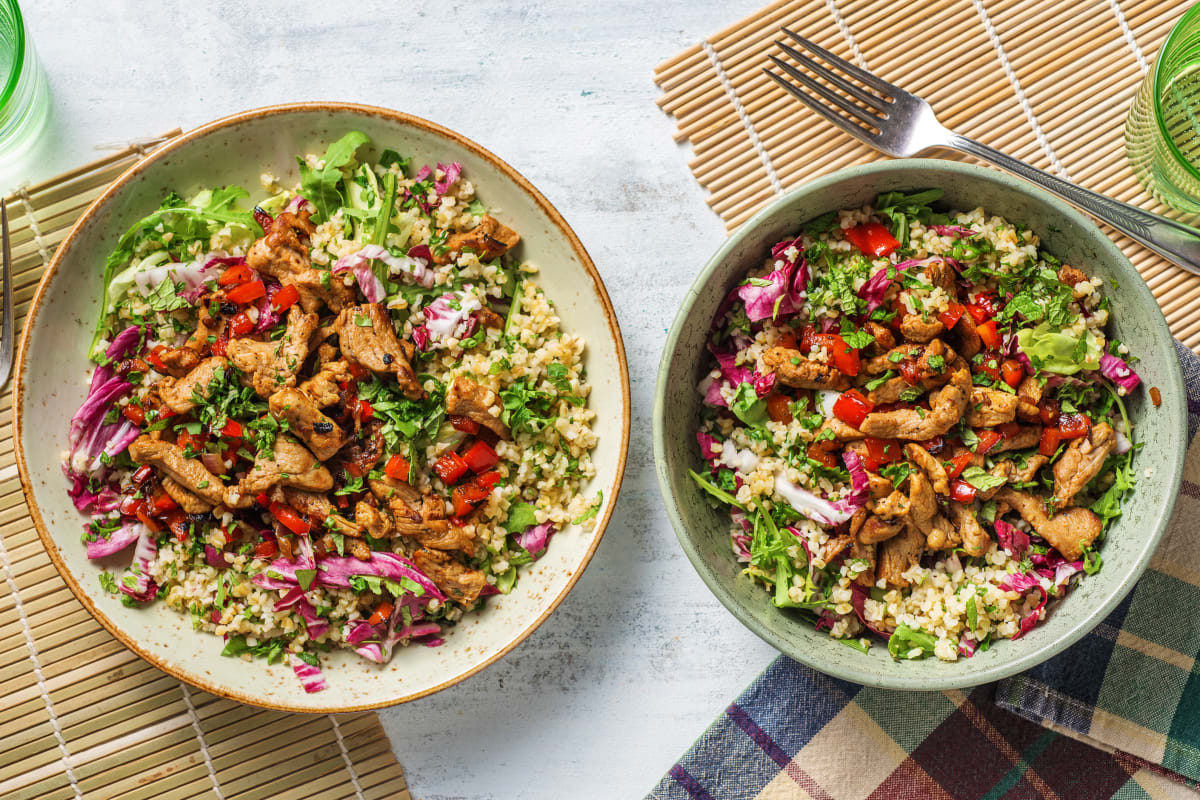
{"x":1119,"y":712}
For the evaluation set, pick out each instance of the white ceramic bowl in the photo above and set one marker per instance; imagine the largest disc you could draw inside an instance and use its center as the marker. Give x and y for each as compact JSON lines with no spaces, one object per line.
{"x":53,"y":367}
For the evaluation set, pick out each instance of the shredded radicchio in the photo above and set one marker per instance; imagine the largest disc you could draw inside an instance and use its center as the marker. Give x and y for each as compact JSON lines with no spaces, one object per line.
{"x":781,"y":292}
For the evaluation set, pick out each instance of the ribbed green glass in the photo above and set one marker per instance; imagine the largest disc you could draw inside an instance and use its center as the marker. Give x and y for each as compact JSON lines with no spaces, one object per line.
{"x":1162,"y":132}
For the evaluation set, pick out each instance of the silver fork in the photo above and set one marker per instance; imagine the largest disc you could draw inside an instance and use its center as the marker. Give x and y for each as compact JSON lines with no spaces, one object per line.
{"x":6,"y":322}
{"x":901,"y":124}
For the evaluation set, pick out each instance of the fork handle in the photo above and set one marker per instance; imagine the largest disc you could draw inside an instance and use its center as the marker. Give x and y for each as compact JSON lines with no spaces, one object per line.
{"x":1172,"y":240}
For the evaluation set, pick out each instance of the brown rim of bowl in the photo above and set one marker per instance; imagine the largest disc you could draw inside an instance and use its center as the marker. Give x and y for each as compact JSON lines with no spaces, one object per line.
{"x":166,"y":150}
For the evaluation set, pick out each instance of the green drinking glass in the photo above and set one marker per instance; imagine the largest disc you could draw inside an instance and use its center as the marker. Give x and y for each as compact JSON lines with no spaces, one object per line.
{"x":24,"y":96}
{"x":1162,"y":132}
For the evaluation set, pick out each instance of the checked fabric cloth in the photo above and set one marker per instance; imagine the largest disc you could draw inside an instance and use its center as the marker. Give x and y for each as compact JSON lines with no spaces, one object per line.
{"x":1115,"y":716}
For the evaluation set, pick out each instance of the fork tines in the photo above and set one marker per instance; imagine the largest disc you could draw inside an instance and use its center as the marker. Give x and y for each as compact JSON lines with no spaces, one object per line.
{"x":856,"y":108}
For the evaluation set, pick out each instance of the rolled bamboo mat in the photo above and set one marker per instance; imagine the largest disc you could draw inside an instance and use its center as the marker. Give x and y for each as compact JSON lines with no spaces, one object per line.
{"x":1047,"y":81}
{"x":83,"y":717}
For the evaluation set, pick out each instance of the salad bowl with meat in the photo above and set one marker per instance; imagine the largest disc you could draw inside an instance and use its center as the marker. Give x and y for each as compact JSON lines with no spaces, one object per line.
{"x":335,"y":425}
{"x":925,"y":433}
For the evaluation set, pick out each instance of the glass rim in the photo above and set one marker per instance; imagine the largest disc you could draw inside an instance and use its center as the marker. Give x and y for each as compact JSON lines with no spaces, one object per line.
{"x":1155,"y":103}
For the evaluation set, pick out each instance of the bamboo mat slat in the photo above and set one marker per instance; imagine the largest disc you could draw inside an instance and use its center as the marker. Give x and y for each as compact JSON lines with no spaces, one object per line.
{"x":82,"y":717}
{"x":1047,"y":81}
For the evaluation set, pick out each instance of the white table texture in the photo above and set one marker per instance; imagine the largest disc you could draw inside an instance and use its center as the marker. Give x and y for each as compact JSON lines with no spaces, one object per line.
{"x":601,"y":700}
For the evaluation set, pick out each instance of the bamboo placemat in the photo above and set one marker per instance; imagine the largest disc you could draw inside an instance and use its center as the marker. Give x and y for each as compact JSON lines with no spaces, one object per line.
{"x":1048,"y":81}
{"x":83,"y":717}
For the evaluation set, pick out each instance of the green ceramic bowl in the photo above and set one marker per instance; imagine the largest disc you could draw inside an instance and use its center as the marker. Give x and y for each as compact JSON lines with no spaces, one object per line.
{"x":1136,"y":320}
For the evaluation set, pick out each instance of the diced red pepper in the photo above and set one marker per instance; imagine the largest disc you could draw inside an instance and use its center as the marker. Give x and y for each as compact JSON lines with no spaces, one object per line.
{"x":240,"y":325}
{"x":266,"y":549}
{"x":910,"y":371}
{"x":466,"y":496}
{"x":872,"y":239}
{"x":1051,"y":437}
{"x":220,"y":345}
{"x":285,"y":298}
{"x":262,"y":499}
{"x":162,"y":502}
{"x":882,"y":451}
{"x":130,"y":505}
{"x":990,"y":365}
{"x":480,"y":457}
{"x":397,"y":468}
{"x":987,"y":440}
{"x":236,"y":275}
{"x":177,"y":523}
{"x":195,"y":441}
{"x":1008,"y":429}
{"x":155,"y":358}
{"x":988,"y":334}
{"x":962,"y":491}
{"x":135,"y":414}
{"x":246,"y":292}
{"x":232,"y":429}
{"x":450,"y":467}
{"x":957,"y":465}
{"x":359,"y":372}
{"x":845,"y":357}
{"x":1073,"y":426}
{"x":779,"y":408}
{"x":822,"y":456}
{"x":355,"y":470}
{"x":464,"y":424}
{"x":382,"y":613}
{"x":952,"y":314}
{"x":851,"y":407}
{"x":983,"y":307}
{"x":289,"y":518}
{"x":934,"y":446}
{"x":142,"y":474}
{"x":149,"y":521}
{"x":341,"y":501}
{"x":1012,"y":373}
{"x":487,"y":480}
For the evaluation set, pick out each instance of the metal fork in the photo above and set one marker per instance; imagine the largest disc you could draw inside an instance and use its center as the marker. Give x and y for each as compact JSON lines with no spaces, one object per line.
{"x":901,"y":124}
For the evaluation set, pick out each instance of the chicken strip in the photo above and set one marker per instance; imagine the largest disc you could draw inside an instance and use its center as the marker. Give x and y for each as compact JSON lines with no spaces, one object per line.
{"x":793,"y":369}
{"x":318,"y":508}
{"x":458,"y":581}
{"x":898,"y":554}
{"x":489,"y":240}
{"x":988,"y":408}
{"x":975,"y":539}
{"x":946,"y":408}
{"x":1081,"y":461}
{"x":368,"y":337}
{"x":188,"y":472}
{"x":271,"y":365}
{"x":319,"y":432}
{"x":875,"y":530}
{"x":290,"y":464}
{"x":283,"y":254}
{"x":467,"y":398}
{"x":178,"y":394}
{"x":322,"y":388}
{"x":931,"y":466}
{"x":1069,"y":531}
{"x":190,"y":503}
{"x":1029,"y":394}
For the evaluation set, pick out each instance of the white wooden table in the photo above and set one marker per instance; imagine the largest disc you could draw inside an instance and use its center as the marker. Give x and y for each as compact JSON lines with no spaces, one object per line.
{"x":640,"y":658}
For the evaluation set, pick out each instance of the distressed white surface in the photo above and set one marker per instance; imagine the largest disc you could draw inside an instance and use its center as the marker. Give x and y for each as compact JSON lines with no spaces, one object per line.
{"x":640,"y":658}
